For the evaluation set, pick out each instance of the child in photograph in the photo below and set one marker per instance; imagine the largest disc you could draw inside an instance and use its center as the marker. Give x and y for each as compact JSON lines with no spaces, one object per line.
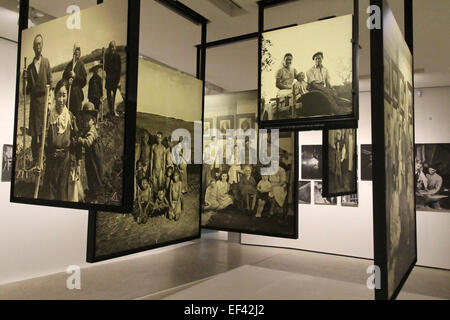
{"x":161,"y":204}
{"x":300,"y":85}
{"x":223,"y":189}
{"x":175,"y":197}
{"x":211,"y":202}
{"x":145,"y":153}
{"x":93,"y":153}
{"x":264,"y":187}
{"x":145,"y":201}
{"x":95,"y":88}
{"x":248,"y":189}
{"x":169,"y":175}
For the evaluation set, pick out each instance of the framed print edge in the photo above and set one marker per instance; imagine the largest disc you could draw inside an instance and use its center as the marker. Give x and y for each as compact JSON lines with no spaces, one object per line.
{"x":91,"y":243}
{"x":378,"y":155}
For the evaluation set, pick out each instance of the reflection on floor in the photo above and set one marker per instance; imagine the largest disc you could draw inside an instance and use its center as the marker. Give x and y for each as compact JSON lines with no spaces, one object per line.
{"x":234,"y":271}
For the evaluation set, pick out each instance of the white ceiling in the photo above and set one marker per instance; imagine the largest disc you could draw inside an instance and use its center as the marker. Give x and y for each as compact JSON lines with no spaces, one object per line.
{"x":169,"y":38}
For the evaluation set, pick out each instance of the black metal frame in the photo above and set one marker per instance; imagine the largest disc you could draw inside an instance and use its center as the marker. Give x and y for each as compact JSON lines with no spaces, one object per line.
{"x":325,"y":166}
{"x":312,"y":123}
{"x":130,"y":117}
{"x":197,"y":19}
{"x":378,"y":149}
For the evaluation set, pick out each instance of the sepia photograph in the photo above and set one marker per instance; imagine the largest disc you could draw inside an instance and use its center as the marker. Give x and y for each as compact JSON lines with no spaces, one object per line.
{"x":307,"y":72}
{"x":366,"y":162}
{"x":340,"y":162}
{"x":304,"y":192}
{"x":350,"y":200}
{"x":237,"y":197}
{"x":432,"y":176}
{"x":311,"y":162}
{"x":167,"y":183}
{"x":7,"y":162}
{"x":321,"y":200}
{"x":399,"y":226}
{"x":225,"y":123}
{"x":245,"y":121}
{"x":71,"y":110}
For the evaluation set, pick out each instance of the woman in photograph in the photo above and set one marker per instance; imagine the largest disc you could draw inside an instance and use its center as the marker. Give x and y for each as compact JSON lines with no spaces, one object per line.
{"x":62,"y":157}
{"x":278,"y":193}
{"x":285,"y":77}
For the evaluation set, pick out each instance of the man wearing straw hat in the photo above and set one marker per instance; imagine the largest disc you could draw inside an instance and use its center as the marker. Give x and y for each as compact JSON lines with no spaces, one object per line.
{"x":38,"y":75}
{"x":75,"y":74}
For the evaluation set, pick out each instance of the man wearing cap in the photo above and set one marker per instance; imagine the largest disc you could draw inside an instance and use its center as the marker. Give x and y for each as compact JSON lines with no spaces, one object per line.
{"x":113,"y":66}
{"x":75,"y":74}
{"x":38,"y":75}
{"x":318,"y":74}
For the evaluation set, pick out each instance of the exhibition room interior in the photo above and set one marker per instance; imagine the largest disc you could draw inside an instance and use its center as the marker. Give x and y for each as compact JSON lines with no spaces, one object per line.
{"x":121,"y":177}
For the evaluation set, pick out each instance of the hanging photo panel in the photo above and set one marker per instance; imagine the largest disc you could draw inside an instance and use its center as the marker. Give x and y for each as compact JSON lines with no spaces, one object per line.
{"x":308,"y":75}
{"x":395,"y":243}
{"x":75,"y":113}
{"x":238,"y":194}
{"x":167,"y":182}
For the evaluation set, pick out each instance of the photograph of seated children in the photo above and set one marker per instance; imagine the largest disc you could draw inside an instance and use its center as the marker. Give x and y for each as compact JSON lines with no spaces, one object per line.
{"x":167,"y":188}
{"x":236,"y":195}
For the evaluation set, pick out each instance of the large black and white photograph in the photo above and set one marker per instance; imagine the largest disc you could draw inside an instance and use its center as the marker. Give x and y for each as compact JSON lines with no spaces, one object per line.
{"x":319,"y":199}
{"x":307,"y":72}
{"x":366,"y":162}
{"x":236,"y":195}
{"x":7,"y":162}
{"x":311,"y":162}
{"x":340,"y":162}
{"x":433,"y":177}
{"x":167,"y":182}
{"x":71,"y":109}
{"x":399,"y":226}
{"x":304,"y":192}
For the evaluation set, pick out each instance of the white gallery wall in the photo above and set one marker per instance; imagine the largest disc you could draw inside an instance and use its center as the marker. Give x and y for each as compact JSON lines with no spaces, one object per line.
{"x":348,"y":230}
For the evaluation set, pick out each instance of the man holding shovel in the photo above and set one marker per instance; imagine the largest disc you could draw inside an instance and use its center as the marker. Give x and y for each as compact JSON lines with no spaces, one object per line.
{"x":38,"y":76}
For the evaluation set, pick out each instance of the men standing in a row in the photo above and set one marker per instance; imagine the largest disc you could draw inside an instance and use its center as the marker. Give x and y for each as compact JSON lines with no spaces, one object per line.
{"x":75,"y":74}
{"x":113,"y":66}
{"x":38,"y":76}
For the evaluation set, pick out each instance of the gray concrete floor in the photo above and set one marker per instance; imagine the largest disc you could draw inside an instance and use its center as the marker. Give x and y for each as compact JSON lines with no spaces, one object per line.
{"x":164,"y":274}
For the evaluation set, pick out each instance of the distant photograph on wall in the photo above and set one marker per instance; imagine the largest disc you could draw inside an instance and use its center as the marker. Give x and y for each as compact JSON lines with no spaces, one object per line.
{"x":366,"y":162}
{"x":340,"y":162}
{"x":304,"y":192}
{"x":7,"y":162}
{"x":71,"y":110}
{"x":167,"y":183}
{"x":433,"y":177}
{"x":349,"y":200}
{"x":311,"y":162}
{"x":306,"y":71}
{"x":321,"y":200}
{"x":237,"y":196}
